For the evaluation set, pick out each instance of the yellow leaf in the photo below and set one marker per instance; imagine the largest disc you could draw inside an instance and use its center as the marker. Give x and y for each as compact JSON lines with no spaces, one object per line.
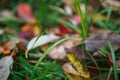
{"x":37,"y":29}
{"x":78,"y":65}
{"x":45,"y":47}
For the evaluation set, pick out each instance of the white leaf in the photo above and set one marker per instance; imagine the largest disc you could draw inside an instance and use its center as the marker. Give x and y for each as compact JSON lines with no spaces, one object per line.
{"x":5,"y":64}
{"x":35,"y":42}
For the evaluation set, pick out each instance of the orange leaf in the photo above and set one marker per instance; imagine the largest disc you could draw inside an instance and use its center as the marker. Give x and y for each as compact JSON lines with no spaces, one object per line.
{"x":6,"y":50}
{"x":26,"y":27}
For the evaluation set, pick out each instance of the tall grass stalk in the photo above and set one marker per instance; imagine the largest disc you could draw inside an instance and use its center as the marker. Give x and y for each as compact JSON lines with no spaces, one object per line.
{"x":83,"y":16}
{"x":114,"y":62}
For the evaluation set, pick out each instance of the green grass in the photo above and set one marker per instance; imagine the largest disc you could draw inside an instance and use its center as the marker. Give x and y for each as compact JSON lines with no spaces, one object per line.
{"x":83,"y":17}
{"x":44,"y":55}
{"x":114,"y":61}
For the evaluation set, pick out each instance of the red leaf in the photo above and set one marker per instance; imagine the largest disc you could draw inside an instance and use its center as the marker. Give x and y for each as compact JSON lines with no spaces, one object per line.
{"x":63,"y":30}
{"x":28,"y":35}
{"x":24,"y":11}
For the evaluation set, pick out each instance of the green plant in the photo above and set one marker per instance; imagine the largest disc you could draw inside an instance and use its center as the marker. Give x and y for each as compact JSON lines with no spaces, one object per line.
{"x":83,"y":16}
{"x":114,"y":61}
{"x":103,"y":52}
{"x":44,"y":55}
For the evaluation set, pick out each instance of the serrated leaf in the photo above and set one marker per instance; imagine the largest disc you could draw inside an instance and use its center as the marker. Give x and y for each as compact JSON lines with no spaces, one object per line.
{"x":5,"y":64}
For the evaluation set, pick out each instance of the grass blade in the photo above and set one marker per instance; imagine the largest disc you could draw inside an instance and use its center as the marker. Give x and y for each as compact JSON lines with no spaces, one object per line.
{"x":114,"y":62}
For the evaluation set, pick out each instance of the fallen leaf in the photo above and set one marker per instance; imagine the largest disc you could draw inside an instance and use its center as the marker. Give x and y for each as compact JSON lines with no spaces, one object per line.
{"x":100,"y":38}
{"x":44,"y":47}
{"x":24,"y":11}
{"x":6,"y":13}
{"x":21,"y":46}
{"x":70,"y":72}
{"x":58,"y":52}
{"x":26,"y":27}
{"x":63,"y":30}
{"x":7,"y":46}
{"x":5,"y":64}
{"x":77,"y":63}
{"x":69,"y":68}
{"x":53,"y":30}
{"x":31,"y":28}
{"x":5,"y":49}
{"x":28,"y":35}
{"x":114,"y":3}
{"x":42,"y":40}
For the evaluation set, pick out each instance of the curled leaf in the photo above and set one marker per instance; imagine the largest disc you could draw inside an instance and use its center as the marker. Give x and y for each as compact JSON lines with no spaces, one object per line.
{"x":77,"y":63}
{"x":70,"y":72}
{"x":40,"y":41}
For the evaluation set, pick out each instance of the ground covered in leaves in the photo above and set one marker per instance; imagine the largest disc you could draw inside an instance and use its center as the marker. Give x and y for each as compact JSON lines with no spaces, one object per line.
{"x":59,"y":40}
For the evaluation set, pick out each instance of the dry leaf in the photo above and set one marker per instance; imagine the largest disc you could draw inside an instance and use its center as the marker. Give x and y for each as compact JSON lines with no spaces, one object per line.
{"x":24,"y":11}
{"x":100,"y":38}
{"x":63,"y":30}
{"x":70,"y":72}
{"x":42,"y":40}
{"x":114,"y":3}
{"x":28,"y":35}
{"x":44,"y":47}
{"x":6,"y":13}
{"x":67,"y":67}
{"x":58,"y":52}
{"x":5,"y":64}
{"x":9,"y":45}
{"x":31,"y":27}
{"x":77,"y":63}
{"x":21,"y":46}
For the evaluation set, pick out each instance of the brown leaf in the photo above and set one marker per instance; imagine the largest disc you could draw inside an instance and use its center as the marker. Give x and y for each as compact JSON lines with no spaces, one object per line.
{"x":100,"y":38}
{"x":67,"y":67}
{"x":58,"y":52}
{"x":70,"y":72}
{"x":21,"y":46}
{"x":7,"y":46}
{"x":114,"y":3}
